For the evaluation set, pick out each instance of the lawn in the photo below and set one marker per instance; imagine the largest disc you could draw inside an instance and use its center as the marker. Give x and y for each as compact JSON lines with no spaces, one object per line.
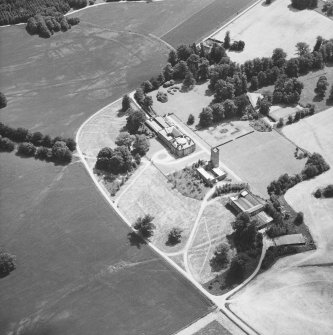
{"x":75,"y":263}
{"x":259,"y":158}
{"x":152,"y":194}
{"x":301,"y":285}
{"x":183,"y":104}
{"x":214,"y":226}
{"x":53,"y":85}
{"x":264,"y":28}
{"x":213,"y":328}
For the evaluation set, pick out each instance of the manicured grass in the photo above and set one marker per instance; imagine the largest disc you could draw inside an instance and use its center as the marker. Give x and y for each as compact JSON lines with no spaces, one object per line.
{"x":53,"y":85}
{"x":261,"y":157}
{"x":264,"y":28}
{"x":77,"y":272}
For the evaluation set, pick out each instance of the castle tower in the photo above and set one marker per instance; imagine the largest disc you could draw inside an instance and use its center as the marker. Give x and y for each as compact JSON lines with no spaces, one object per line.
{"x":215,"y":157}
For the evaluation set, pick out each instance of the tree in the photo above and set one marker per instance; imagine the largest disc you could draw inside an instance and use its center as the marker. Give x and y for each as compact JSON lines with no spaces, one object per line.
{"x":26,"y":149}
{"x":264,"y":106}
{"x":203,"y":71}
{"x":190,"y":119}
{"x":321,"y":86}
{"x":206,"y":117}
{"x":135,"y":121}
{"x":224,"y":90}
{"x":221,"y":257}
{"x":302,"y":48}
{"x":173,"y":59}
{"x":292,"y":68}
{"x":218,"y":112}
{"x":279,"y":57}
{"x":184,"y":52}
{"x":3,"y":100}
{"x":106,"y":152}
{"x":168,"y":72}
{"x":280,"y":123}
{"x":139,"y":96}
{"x":303,"y":4}
{"x":193,"y":64}
{"x":299,"y":219}
{"x":318,"y":44}
{"x":124,"y":138}
{"x":180,"y":70}
{"x":141,"y":144}
{"x":254,"y":83}
{"x":7,"y":263}
{"x":126,"y":103}
{"x":226,"y":43}
{"x":37,"y":138}
{"x":6,"y":144}
{"x":145,"y":226}
{"x":236,"y":271}
{"x":146,"y":86}
{"x":121,"y":161}
{"x":229,"y":108}
{"x":174,"y":236}
{"x":60,"y":152}
{"x":189,"y":81}
{"x":148,"y":102}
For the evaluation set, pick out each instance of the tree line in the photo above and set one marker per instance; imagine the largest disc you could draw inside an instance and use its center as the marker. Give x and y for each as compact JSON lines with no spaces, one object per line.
{"x":314,"y":166}
{"x":43,"y":147}
{"x":19,"y":11}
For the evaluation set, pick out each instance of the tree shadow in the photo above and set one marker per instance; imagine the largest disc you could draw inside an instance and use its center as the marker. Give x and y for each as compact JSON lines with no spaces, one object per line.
{"x":292,"y":9}
{"x":136,"y":240}
{"x":329,"y":102}
{"x":317,"y":98}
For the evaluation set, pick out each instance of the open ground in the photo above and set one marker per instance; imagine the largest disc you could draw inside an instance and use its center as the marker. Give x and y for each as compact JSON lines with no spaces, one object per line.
{"x":261,"y":157}
{"x":263,"y":27}
{"x":297,"y":291}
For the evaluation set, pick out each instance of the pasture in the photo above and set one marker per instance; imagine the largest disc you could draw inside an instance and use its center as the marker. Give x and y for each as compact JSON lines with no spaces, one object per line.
{"x":152,"y":194}
{"x":259,"y":158}
{"x":214,"y":226}
{"x":264,"y":28}
{"x":301,"y":285}
{"x":75,"y":263}
{"x":53,"y":85}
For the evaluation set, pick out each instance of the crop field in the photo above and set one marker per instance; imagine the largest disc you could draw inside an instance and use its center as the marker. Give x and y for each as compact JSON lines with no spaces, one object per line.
{"x":297,"y":291}
{"x":54,"y":84}
{"x":75,"y":263}
{"x":214,"y":226}
{"x":259,"y":158}
{"x":183,"y":104}
{"x":176,"y":22}
{"x":152,"y":194}
{"x":263,"y":28}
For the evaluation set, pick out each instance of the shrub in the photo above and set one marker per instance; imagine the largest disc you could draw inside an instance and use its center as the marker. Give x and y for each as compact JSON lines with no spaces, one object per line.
{"x":174,"y":236}
{"x":162,"y":97}
{"x":190,"y":119}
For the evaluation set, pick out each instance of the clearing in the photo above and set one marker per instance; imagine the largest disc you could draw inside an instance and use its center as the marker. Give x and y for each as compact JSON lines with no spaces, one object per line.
{"x":152,"y":194}
{"x":259,"y":158}
{"x":263,"y":27}
{"x":297,"y":291}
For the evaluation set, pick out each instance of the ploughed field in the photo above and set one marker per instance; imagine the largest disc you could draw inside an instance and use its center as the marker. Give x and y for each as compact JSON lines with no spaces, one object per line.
{"x":53,"y":85}
{"x":176,"y":22}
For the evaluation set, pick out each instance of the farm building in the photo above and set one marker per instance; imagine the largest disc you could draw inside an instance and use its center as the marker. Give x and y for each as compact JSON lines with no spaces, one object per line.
{"x":245,"y":202}
{"x":178,"y":143}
